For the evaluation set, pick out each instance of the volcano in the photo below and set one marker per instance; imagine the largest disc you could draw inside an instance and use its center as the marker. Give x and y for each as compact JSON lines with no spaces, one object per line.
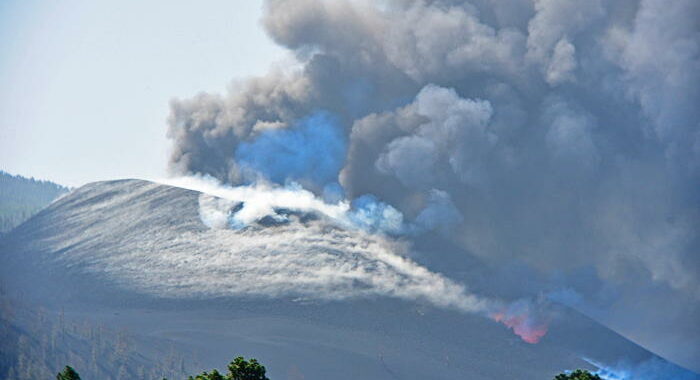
{"x":310,"y":299}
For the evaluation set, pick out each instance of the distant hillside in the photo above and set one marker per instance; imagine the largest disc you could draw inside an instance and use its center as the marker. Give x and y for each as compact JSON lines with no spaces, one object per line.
{"x":22,"y":197}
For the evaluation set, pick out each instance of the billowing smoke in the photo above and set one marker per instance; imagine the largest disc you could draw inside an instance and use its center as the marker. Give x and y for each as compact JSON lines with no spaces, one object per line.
{"x":652,"y":369}
{"x":306,"y":228}
{"x":561,"y":137}
{"x":311,"y":151}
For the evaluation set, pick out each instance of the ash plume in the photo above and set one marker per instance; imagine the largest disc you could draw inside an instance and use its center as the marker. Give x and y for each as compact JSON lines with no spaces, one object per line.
{"x":559,"y":135}
{"x":317,"y":250}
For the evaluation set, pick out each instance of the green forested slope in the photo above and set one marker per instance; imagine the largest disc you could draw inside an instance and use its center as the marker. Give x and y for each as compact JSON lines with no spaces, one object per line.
{"x":21,"y":197}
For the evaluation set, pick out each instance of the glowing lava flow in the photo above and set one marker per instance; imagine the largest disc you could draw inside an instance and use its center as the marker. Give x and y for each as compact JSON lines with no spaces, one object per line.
{"x":523,"y":321}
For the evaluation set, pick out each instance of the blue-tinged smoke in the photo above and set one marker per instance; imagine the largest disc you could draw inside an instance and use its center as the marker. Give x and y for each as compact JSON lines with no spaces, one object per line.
{"x":653,"y":369}
{"x":439,"y":214}
{"x":566,"y":296}
{"x":373,"y":215}
{"x":333,"y":193}
{"x":356,"y":96}
{"x":312,"y":150}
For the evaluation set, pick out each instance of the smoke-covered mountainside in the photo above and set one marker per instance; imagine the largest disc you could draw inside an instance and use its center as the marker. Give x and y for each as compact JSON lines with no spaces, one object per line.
{"x":556,"y":140}
{"x":35,"y":341}
{"x":293,"y":283}
{"x":21,"y":197}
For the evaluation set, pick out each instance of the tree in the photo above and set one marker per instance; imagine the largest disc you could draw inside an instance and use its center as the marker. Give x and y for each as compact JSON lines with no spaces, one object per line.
{"x":238,"y":369}
{"x":579,"y":374}
{"x":214,"y":375}
{"x":68,"y":374}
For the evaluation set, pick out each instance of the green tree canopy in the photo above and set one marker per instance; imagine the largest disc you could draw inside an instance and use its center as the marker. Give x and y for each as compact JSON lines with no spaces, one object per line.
{"x":238,"y":369}
{"x":579,"y":374}
{"x":68,"y":374}
{"x":214,"y":375}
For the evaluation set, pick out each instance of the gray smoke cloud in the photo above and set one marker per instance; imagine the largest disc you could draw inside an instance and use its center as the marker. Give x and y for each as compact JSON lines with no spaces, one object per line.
{"x":559,"y":137}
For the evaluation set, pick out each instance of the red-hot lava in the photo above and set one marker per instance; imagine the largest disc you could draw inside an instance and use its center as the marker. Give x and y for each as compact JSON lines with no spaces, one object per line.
{"x":525,"y":322}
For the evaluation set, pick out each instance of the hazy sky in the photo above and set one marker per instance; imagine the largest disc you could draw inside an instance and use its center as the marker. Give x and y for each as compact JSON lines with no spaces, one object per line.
{"x":85,"y":85}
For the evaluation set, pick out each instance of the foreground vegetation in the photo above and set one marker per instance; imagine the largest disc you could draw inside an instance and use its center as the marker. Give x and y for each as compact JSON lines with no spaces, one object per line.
{"x":242,"y":369}
{"x":68,"y":374}
{"x":579,"y":374}
{"x":238,"y":369}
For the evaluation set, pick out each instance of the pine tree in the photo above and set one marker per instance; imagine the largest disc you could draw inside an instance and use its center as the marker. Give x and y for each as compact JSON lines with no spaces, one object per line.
{"x":68,"y":374}
{"x":578,"y":374}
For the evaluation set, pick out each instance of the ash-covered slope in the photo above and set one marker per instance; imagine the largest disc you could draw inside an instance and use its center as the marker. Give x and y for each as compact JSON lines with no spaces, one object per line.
{"x":310,"y":298}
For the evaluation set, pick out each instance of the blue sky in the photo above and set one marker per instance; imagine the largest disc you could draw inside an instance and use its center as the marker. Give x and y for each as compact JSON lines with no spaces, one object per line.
{"x":85,"y":85}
